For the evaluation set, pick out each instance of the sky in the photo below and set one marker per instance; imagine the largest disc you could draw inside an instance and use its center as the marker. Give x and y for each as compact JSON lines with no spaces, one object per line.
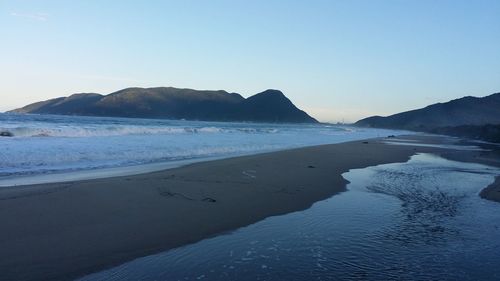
{"x":337,"y":60}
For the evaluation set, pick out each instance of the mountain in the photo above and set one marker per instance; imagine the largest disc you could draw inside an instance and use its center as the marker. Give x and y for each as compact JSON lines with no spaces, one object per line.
{"x":471,"y":111}
{"x":272,"y":105}
{"x":488,"y":132}
{"x":175,"y":103}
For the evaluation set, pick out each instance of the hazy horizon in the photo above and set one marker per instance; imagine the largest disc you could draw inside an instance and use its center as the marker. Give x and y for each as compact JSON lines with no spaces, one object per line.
{"x":337,"y":60}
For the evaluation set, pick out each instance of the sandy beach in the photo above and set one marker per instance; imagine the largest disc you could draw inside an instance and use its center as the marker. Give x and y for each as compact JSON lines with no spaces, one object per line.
{"x":62,"y":231}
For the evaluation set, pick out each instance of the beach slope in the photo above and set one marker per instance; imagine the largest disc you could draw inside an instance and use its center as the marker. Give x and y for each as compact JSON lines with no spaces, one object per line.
{"x":64,"y":230}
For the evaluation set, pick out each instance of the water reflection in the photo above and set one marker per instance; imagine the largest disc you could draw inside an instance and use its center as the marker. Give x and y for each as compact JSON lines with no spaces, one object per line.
{"x":427,"y":203}
{"x":420,"y":220}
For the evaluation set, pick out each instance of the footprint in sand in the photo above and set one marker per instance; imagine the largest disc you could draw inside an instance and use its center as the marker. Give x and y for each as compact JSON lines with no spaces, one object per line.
{"x":249,"y":173}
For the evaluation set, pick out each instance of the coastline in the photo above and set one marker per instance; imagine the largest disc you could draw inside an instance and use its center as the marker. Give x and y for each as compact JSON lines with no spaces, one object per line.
{"x":492,"y":192}
{"x":61,"y":231}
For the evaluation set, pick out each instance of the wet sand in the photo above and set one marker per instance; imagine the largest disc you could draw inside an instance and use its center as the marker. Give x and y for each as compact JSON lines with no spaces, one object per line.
{"x":492,"y":192}
{"x":65,"y":230}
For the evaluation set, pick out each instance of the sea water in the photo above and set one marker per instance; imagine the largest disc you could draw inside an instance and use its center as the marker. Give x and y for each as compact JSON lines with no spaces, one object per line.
{"x":420,"y":220}
{"x":51,"y":147}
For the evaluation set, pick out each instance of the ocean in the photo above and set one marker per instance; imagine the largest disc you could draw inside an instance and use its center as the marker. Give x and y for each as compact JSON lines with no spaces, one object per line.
{"x":47,"y":148}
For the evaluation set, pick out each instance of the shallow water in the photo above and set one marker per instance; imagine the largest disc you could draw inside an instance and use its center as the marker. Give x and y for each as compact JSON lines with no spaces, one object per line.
{"x":52,"y":144}
{"x":420,"y":220}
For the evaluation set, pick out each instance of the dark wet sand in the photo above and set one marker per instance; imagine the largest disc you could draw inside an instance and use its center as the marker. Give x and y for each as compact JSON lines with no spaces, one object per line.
{"x":492,"y":192}
{"x":66,"y":230}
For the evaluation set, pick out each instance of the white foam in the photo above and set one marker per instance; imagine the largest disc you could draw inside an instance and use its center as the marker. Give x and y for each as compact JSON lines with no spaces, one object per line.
{"x":103,"y":131}
{"x":96,"y":173}
{"x":72,"y":144}
{"x":445,"y":146}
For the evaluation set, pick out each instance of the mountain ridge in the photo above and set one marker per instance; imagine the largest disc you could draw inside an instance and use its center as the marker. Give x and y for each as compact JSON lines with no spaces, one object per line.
{"x":462,"y":111}
{"x":176,"y":103}
{"x":469,"y":117}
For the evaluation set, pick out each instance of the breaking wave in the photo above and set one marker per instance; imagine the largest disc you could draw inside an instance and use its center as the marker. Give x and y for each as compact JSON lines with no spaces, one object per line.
{"x":45,"y":144}
{"x":103,"y":131}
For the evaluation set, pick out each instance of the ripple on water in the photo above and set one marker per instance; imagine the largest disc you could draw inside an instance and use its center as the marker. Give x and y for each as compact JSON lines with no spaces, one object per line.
{"x":420,"y":220}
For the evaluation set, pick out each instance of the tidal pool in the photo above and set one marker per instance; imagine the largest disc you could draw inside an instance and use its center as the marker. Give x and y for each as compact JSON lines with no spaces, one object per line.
{"x":419,"y":220}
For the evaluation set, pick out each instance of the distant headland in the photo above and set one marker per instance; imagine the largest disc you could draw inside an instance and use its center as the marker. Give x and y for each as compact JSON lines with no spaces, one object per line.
{"x":175,"y":103}
{"x":470,"y":117}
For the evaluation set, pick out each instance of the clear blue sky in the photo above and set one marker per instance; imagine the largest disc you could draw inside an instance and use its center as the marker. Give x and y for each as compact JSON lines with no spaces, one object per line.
{"x":336,"y":59}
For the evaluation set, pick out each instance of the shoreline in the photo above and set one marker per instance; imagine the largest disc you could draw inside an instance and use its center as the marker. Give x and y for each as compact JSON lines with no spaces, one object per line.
{"x":492,"y":191}
{"x":102,"y":173}
{"x":62,"y":231}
